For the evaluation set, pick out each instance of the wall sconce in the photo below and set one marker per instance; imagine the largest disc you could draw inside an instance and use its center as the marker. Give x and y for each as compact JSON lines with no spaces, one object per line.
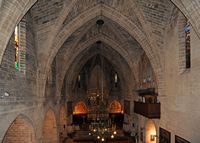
{"x":6,"y":94}
{"x":153,"y":137}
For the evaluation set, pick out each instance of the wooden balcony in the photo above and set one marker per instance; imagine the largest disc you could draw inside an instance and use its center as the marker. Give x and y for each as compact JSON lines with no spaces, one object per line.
{"x":146,"y":91}
{"x":149,"y":110}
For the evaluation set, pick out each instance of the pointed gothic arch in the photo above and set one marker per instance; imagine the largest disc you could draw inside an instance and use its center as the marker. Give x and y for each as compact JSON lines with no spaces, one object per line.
{"x":20,"y":131}
{"x":115,"y":107}
{"x":123,"y":21}
{"x":50,"y":134}
{"x":80,"y":108}
{"x":150,"y":132}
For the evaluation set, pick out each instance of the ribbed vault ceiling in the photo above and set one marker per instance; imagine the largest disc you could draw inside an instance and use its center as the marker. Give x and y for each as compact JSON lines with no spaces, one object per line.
{"x":65,"y":28}
{"x":110,"y":56}
{"x":120,"y":49}
{"x":150,"y":26}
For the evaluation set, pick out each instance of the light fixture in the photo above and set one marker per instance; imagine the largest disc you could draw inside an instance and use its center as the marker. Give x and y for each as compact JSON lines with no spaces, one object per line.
{"x":6,"y":94}
{"x":102,"y":131}
{"x":102,"y":139}
{"x":152,"y":137}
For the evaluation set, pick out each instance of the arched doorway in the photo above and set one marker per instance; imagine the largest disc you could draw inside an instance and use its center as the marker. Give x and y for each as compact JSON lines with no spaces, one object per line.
{"x":20,"y":131}
{"x":116,"y":113}
{"x":80,"y":108}
{"x":50,"y":128}
{"x":62,"y":123}
{"x":115,"y":107}
{"x":150,"y":132}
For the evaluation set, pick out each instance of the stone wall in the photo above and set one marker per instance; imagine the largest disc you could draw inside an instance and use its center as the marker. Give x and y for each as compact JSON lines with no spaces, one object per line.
{"x":179,"y":106}
{"x":179,"y":102}
{"x":20,"y":131}
{"x":18,"y":94}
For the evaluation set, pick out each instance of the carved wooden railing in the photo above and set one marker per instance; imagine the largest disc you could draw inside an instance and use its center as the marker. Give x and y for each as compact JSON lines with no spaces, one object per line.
{"x":149,"y":110}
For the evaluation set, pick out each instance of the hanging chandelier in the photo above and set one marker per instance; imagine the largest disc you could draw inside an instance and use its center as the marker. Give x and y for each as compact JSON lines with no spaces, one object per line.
{"x":102,"y":130}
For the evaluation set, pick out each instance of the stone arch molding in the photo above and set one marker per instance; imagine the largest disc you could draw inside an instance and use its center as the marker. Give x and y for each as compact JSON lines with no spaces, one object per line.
{"x":11,"y":12}
{"x":191,"y":10}
{"x":11,"y":19}
{"x":115,"y":64}
{"x":112,"y":43}
{"x":8,"y":23}
{"x":81,"y":47}
{"x":20,"y":130}
{"x":15,"y":11}
{"x":49,"y":129}
{"x":126,"y":82}
{"x":112,"y":14}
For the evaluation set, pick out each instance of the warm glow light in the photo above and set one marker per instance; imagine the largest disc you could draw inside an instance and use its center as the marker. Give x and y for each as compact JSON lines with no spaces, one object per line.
{"x":89,"y":134}
{"x":98,"y":137}
{"x":16,"y":34}
{"x":115,"y":107}
{"x":94,"y":130}
{"x":80,"y":108}
{"x":116,"y":78}
{"x":102,"y":139}
{"x":152,"y":137}
{"x":115,"y":132}
{"x":112,"y":136}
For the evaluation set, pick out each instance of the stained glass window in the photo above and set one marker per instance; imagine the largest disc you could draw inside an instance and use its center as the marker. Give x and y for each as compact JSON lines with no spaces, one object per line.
{"x":20,"y":48}
{"x":187,"y":45}
{"x":17,"y":48}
